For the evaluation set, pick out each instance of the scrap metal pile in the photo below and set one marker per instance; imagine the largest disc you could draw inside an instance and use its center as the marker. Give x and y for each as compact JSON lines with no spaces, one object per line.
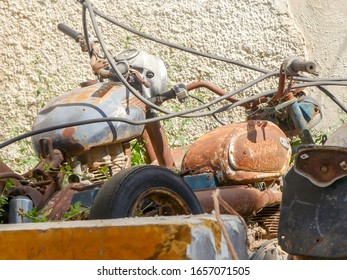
{"x":83,"y":141}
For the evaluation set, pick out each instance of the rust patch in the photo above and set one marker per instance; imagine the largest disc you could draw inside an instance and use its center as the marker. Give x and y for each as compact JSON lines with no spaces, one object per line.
{"x":69,"y":132}
{"x":94,"y":94}
{"x":134,"y":101}
{"x":243,"y":152}
{"x":83,"y":242}
{"x":322,"y":165}
{"x":258,"y":148}
{"x":60,"y":203}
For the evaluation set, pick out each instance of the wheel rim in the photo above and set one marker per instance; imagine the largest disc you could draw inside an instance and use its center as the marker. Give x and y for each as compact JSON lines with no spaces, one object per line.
{"x":159,"y":202}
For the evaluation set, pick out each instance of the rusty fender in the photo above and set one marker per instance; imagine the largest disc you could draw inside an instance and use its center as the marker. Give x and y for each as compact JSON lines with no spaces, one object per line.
{"x":244,"y":199}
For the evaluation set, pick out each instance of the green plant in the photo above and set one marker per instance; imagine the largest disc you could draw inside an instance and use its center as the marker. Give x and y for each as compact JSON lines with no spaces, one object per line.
{"x":9,"y":184}
{"x":34,"y":215}
{"x":105,"y":171}
{"x":138,"y":154}
{"x":76,"y":212}
{"x":3,"y":202}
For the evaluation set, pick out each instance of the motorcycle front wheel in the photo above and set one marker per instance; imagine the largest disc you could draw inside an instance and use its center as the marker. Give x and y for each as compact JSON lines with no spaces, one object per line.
{"x":143,"y":191}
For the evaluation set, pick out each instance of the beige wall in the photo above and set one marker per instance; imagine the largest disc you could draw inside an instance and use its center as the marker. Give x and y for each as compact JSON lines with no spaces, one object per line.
{"x":38,"y":62}
{"x":324,"y":27}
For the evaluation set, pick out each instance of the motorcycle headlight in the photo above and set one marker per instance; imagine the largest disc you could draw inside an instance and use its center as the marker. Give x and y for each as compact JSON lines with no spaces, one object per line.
{"x":150,"y":66}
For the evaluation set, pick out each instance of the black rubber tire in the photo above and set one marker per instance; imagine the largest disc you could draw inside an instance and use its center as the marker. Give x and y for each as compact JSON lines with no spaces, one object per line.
{"x":116,"y":198}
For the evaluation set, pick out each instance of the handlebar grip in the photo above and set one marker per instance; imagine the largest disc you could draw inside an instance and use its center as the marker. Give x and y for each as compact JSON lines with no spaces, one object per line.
{"x":69,"y":31}
{"x":302,"y":65}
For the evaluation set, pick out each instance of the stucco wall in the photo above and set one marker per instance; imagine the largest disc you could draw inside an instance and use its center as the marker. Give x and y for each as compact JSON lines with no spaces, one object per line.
{"x":324,"y":27}
{"x":38,"y":62}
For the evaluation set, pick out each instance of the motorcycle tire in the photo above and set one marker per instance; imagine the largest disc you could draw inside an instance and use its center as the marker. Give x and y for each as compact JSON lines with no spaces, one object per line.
{"x":144,"y":191}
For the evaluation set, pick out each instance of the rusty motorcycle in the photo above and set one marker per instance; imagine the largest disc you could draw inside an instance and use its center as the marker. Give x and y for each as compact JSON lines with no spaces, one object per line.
{"x":91,"y":127}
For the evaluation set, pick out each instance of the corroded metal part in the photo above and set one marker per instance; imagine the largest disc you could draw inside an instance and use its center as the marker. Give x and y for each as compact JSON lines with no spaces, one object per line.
{"x":158,"y":141}
{"x":163,"y":201}
{"x":322,"y":165}
{"x":4,"y":171}
{"x":94,"y":101}
{"x":313,"y":220}
{"x":243,"y":152}
{"x":149,"y":150}
{"x":215,"y":89}
{"x":31,"y":192}
{"x":60,"y":202}
{"x":243,"y":199}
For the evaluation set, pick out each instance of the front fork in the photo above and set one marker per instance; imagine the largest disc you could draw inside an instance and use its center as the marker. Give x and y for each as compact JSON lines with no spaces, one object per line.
{"x":156,"y":144}
{"x":300,"y":123}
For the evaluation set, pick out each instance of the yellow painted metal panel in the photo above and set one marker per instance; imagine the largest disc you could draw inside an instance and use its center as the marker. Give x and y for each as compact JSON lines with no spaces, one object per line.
{"x":94,"y":240}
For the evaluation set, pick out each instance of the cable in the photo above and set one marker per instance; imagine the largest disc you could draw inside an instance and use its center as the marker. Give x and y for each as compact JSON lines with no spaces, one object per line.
{"x":144,"y":100}
{"x":213,"y":115}
{"x":185,"y":113}
{"x":150,"y":104}
{"x":113,"y":65}
{"x":195,"y":52}
{"x":267,"y":93}
{"x":85,"y":30}
{"x":300,"y":78}
{"x":173,"y":45}
{"x":160,"y":118}
{"x":333,"y":98}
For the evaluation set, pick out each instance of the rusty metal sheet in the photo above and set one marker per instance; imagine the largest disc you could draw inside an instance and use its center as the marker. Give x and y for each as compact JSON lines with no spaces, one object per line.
{"x":313,"y":220}
{"x":60,"y":202}
{"x":243,"y":152}
{"x":322,"y":165}
{"x":259,"y":147}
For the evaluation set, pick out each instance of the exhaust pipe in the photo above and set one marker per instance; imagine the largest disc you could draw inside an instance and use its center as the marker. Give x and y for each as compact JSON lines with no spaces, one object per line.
{"x":243,"y":199}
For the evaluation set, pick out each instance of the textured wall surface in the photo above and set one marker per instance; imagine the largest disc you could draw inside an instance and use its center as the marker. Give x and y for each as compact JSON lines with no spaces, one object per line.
{"x":324,"y":27}
{"x":38,"y":62}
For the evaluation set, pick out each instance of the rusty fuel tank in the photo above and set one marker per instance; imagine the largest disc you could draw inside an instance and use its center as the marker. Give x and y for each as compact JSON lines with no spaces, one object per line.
{"x":107,"y":99}
{"x":243,"y":152}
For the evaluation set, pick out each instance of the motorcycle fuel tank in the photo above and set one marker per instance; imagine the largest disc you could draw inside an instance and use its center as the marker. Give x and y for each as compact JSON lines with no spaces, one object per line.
{"x":99,"y":100}
{"x":242,"y":152}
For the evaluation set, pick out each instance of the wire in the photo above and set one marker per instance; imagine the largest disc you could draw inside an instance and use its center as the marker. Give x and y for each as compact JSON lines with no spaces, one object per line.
{"x":173,"y":45}
{"x":152,"y":105}
{"x":147,"y":102}
{"x":113,"y":65}
{"x":213,"y":115}
{"x":264,"y":94}
{"x":211,"y":56}
{"x":333,"y":98}
{"x":160,"y":118}
{"x":191,"y":113}
{"x":85,"y":31}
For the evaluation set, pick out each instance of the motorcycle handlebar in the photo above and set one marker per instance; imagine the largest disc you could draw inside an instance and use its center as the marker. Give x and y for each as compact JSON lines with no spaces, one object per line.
{"x":70,"y":32}
{"x":296,"y":64}
{"x":301,"y":65}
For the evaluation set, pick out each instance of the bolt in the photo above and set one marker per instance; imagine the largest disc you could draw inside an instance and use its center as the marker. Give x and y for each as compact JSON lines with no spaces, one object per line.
{"x":324,"y":169}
